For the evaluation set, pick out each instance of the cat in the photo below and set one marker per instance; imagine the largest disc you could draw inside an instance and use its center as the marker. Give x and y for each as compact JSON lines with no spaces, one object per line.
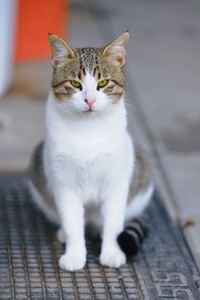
{"x":87,"y":170}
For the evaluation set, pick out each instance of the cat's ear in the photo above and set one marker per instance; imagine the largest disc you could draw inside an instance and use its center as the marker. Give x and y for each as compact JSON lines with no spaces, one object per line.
{"x":60,"y":51}
{"x":116,"y":49}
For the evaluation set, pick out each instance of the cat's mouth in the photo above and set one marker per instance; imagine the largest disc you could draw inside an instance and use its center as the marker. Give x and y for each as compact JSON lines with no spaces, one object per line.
{"x":89,"y":110}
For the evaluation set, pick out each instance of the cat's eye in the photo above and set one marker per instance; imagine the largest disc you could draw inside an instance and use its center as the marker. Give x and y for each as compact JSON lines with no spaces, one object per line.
{"x":102,"y":83}
{"x":76,"y":84}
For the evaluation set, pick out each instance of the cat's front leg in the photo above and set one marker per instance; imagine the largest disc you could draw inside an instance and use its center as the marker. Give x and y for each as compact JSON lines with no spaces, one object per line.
{"x":71,"y":211}
{"x":113,"y":210}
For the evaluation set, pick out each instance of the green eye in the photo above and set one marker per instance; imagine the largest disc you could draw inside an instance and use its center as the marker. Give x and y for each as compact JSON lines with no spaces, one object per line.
{"x":75,"y":84}
{"x":103,"y":83}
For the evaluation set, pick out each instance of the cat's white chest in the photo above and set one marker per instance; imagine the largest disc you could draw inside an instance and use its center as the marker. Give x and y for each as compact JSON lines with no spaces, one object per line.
{"x":84,"y":165}
{"x":84,"y":155}
{"x":83,"y":174}
{"x":86,"y":150}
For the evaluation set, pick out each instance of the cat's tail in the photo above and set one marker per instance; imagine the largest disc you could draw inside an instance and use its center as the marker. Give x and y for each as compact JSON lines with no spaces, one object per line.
{"x":131,"y":238}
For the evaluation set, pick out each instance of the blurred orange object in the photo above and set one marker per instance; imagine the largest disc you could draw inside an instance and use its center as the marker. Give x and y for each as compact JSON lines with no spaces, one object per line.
{"x":35,"y":19}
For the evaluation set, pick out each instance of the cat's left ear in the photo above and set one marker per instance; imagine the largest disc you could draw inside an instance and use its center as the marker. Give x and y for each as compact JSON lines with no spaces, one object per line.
{"x":116,"y":49}
{"x":60,"y":51}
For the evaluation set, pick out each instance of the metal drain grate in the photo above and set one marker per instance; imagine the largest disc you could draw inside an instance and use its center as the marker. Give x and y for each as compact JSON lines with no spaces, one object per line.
{"x":164,"y":268}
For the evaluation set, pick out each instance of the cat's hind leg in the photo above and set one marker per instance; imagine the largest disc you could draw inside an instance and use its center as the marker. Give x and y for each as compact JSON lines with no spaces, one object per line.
{"x":140,"y":194}
{"x":37,"y":186}
{"x":138,"y":204}
{"x":135,"y":229}
{"x":49,"y":211}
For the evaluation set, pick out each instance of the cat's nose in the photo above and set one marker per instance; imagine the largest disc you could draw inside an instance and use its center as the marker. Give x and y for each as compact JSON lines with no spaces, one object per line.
{"x":90,"y":102}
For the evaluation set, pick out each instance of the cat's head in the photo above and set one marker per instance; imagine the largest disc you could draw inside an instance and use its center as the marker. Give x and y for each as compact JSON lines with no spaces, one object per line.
{"x":88,"y":80}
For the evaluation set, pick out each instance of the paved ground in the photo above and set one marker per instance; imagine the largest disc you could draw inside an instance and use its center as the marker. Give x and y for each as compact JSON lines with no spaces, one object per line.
{"x":163,"y":74}
{"x":29,"y":252}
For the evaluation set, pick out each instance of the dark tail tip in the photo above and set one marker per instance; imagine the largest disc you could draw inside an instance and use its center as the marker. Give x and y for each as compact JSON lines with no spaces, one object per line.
{"x":127,"y":243}
{"x":131,"y":238}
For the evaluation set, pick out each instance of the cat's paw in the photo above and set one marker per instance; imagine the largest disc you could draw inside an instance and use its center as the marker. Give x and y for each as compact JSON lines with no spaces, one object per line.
{"x":71,"y":262}
{"x":60,"y":235}
{"x":113,"y":258}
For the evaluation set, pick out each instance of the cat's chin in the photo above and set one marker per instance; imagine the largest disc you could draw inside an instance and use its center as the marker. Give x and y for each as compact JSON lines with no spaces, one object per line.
{"x":88,"y":112}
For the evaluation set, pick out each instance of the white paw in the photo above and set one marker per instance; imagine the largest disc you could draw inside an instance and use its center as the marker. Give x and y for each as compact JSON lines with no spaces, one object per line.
{"x":60,"y":235}
{"x":71,"y":262}
{"x":113,"y":258}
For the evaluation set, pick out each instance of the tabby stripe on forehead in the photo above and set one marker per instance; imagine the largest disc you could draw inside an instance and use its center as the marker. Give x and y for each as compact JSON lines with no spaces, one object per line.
{"x":83,"y":69}
{"x":96,"y":71}
{"x":79,"y":75}
{"x":97,"y":67}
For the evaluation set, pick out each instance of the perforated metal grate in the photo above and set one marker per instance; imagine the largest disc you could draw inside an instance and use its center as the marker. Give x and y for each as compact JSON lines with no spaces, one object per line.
{"x":29,"y":251}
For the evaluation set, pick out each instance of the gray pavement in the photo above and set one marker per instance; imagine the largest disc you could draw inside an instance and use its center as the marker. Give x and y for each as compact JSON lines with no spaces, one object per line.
{"x":163,"y":71}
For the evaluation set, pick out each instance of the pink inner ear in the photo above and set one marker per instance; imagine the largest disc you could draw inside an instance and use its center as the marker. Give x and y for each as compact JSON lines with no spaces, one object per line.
{"x":119,"y":53}
{"x":120,"y":59}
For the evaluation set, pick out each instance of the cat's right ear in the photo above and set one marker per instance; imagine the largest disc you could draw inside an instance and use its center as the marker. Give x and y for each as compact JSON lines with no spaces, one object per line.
{"x":60,"y":51}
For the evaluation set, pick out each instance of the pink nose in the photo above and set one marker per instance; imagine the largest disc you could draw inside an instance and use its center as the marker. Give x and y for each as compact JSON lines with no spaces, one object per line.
{"x":90,"y":102}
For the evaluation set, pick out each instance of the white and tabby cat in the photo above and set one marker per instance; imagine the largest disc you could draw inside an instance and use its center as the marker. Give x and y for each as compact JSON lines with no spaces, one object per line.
{"x":87,"y":170}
